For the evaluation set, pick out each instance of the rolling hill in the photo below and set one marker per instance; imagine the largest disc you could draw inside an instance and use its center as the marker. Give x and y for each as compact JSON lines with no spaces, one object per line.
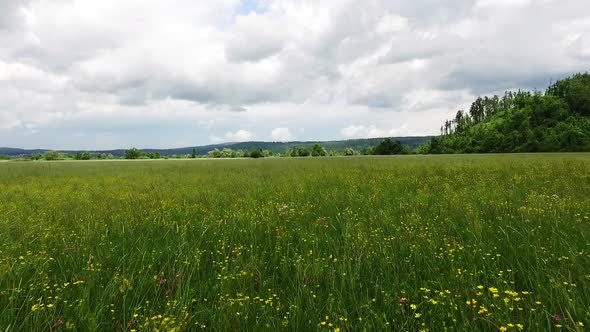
{"x":275,"y":147}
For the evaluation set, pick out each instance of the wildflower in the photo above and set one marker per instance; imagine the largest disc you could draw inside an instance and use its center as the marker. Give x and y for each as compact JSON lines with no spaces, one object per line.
{"x":580,"y":324}
{"x":168,"y":292}
{"x":161,"y":281}
{"x":503,"y":328}
{"x":520,"y":326}
{"x":417,"y":315}
{"x":554,"y":197}
{"x":493,"y":290}
{"x":337,"y":329}
{"x":480,"y":287}
{"x":403,"y":300}
{"x":413,"y":306}
{"x":35,"y":307}
{"x":556,"y":318}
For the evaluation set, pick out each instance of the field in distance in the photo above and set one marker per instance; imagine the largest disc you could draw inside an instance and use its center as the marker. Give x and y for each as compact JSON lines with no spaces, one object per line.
{"x":491,"y":243}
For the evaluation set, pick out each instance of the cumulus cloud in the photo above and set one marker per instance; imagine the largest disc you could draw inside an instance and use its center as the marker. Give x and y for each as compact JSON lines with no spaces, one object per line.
{"x":151,"y":74}
{"x":231,"y":137}
{"x":281,"y":134}
{"x":372,"y":131}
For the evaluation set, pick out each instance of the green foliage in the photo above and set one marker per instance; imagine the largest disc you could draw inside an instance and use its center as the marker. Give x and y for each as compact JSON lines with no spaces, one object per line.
{"x":349,"y":152}
{"x":575,"y":91}
{"x":83,"y":156}
{"x":388,"y":147}
{"x":152,"y":155}
{"x":194,"y":153}
{"x":522,"y":122}
{"x":318,"y":151}
{"x":364,"y":244}
{"x":132,"y":153}
{"x":256,"y":153}
{"x":302,"y":151}
{"x":52,"y":155}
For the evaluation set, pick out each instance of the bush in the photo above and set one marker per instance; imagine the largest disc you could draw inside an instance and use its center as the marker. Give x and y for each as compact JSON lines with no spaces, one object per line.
{"x":132,"y":153}
{"x":53,"y":155}
{"x":303,"y":152}
{"x":256,"y":153}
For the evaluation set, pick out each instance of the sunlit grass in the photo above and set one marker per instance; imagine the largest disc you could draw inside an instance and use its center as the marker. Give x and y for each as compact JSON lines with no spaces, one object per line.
{"x":497,"y":242}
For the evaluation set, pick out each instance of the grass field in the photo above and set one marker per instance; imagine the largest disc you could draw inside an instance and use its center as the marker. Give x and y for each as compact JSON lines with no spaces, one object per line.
{"x":497,"y":242}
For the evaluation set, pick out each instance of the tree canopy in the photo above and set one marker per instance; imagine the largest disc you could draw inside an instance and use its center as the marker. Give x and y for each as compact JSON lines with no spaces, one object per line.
{"x":522,"y":121}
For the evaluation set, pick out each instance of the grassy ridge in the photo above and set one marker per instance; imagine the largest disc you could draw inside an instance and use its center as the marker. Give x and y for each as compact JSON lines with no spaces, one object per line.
{"x":403,"y":243}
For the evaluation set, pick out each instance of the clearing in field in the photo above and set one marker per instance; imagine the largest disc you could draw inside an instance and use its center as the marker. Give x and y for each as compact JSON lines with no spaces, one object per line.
{"x":497,"y":242}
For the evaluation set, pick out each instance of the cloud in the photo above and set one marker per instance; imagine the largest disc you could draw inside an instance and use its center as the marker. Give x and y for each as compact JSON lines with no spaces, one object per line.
{"x":372,"y":131}
{"x":230,"y":137}
{"x":281,"y":134}
{"x":121,"y":71}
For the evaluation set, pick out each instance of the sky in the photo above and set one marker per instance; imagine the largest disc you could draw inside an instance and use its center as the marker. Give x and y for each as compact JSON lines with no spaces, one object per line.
{"x":87,"y":74}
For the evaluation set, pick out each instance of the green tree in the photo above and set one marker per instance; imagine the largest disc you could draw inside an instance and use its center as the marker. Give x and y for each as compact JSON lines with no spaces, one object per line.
{"x":132,"y":153}
{"x":303,"y":152}
{"x":83,"y":156}
{"x":318,"y":151}
{"x":194,"y":154}
{"x":388,"y":147}
{"x":349,"y":152}
{"x":256,"y":153}
{"x":216,"y":153}
{"x":53,"y":155}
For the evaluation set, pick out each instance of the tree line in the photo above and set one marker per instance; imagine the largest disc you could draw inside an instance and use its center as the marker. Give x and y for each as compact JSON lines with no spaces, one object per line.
{"x":385,"y":147}
{"x":521,"y":121}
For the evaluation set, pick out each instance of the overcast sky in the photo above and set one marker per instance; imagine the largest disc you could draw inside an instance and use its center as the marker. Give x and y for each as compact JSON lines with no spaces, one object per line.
{"x":89,"y":74}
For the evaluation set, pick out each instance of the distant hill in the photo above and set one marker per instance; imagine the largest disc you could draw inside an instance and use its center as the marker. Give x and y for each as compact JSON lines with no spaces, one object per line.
{"x":522,"y":121}
{"x":275,"y":147}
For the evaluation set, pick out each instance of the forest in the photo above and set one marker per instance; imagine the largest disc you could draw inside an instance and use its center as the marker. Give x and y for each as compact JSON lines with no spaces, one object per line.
{"x":521,"y":121}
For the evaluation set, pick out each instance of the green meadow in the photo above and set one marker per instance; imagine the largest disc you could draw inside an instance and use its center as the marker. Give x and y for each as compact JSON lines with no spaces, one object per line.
{"x":406,"y":243}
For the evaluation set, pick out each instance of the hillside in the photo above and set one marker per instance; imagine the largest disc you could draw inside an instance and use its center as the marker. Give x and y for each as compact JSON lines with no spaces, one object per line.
{"x":522,"y":121}
{"x":275,"y":147}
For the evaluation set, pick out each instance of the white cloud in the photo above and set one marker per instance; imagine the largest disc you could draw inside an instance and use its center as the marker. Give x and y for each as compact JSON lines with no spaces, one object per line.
{"x":231,"y":137}
{"x":281,"y":134}
{"x":123,"y":70}
{"x":372,"y":131}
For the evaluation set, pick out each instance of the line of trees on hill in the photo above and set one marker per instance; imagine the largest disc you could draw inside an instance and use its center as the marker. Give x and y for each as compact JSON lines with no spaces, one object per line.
{"x":522,"y":121}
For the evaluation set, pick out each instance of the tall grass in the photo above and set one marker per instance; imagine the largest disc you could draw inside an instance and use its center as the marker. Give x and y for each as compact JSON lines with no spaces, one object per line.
{"x":498,"y":242}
